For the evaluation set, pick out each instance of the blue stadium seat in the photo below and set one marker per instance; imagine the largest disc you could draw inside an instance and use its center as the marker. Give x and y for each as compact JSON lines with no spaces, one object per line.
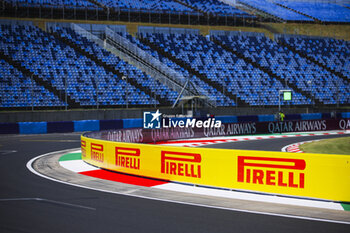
{"x":330,"y":52}
{"x":127,"y":69}
{"x":216,"y":7}
{"x":290,"y":66}
{"x":63,"y":67}
{"x":323,"y":11}
{"x":248,"y":83}
{"x":271,"y":8}
{"x":18,"y":90}
{"x":68,"y":4}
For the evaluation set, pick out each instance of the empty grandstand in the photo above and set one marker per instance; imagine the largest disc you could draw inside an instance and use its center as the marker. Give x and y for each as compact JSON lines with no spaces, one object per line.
{"x":153,"y":11}
{"x":118,"y":59}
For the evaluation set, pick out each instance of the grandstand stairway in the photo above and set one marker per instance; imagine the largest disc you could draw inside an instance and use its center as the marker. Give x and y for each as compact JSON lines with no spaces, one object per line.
{"x":148,"y":65}
{"x":337,"y":73}
{"x":144,"y":65}
{"x":266,"y":70}
{"x":60,"y":94}
{"x":111,"y":69}
{"x":192,"y":71}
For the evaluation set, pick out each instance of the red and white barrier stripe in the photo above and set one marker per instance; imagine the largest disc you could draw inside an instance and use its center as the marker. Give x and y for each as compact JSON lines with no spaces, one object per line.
{"x":295,"y":148}
{"x":79,"y":166}
{"x":207,"y":141}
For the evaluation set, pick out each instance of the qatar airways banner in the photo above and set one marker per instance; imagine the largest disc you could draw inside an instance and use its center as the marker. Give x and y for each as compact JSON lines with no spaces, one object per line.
{"x":141,"y":135}
{"x":311,"y":175}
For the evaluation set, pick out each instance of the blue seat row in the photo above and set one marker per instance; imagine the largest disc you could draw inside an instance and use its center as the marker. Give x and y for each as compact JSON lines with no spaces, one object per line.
{"x":271,"y":8}
{"x":89,"y":83}
{"x":291,"y":67}
{"x":323,"y":11}
{"x":130,"y":71}
{"x":216,"y":7}
{"x":155,"y":5}
{"x":68,"y":4}
{"x":212,"y":93}
{"x":66,"y":69}
{"x":227,"y":70}
{"x":18,"y":90}
{"x":332,"y":53}
{"x":191,"y":7}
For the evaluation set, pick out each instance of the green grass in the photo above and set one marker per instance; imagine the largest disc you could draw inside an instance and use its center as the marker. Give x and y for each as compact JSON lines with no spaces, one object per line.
{"x":328,"y":146}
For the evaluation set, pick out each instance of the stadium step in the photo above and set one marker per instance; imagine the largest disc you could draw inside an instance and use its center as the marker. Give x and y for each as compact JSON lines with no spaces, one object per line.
{"x":59,"y":93}
{"x":268,"y":71}
{"x":192,"y":71}
{"x":109,"y":68}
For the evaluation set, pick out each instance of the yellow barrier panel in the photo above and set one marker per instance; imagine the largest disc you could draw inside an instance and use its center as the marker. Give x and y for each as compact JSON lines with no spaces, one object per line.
{"x":304,"y":175}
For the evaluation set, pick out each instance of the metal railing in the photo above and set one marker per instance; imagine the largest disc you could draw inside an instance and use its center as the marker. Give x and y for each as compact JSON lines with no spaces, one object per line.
{"x":235,"y":33}
{"x":121,"y":14}
{"x":146,"y":61}
{"x":126,"y":50}
{"x":155,"y":68}
{"x":81,"y":31}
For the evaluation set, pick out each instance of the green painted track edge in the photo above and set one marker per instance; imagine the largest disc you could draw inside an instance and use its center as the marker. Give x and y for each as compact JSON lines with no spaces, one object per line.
{"x":70,"y":156}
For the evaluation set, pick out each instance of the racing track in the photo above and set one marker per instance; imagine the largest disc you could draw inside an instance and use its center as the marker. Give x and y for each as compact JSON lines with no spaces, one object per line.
{"x":29,"y":203}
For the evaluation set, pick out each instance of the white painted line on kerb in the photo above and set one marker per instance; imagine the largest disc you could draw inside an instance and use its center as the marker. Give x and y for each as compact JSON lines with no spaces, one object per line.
{"x":80,"y":166}
{"x":249,"y":196}
{"x":77,"y":166}
{"x":194,"y":142}
{"x":296,"y":150}
{"x":30,"y":167}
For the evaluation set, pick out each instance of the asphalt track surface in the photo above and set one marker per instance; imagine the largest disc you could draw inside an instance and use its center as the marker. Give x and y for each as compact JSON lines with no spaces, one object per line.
{"x":29,"y":203}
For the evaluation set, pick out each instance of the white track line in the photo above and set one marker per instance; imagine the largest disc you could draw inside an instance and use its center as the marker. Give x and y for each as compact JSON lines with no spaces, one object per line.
{"x":249,"y":196}
{"x":30,"y":163}
{"x":46,"y":200}
{"x":80,"y":166}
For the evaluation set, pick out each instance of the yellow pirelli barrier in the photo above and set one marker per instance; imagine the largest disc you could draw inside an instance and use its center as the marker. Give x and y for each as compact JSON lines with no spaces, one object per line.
{"x":304,"y":175}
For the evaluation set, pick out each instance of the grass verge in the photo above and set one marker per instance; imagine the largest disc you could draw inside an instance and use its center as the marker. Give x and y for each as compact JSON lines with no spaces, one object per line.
{"x":328,"y":146}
